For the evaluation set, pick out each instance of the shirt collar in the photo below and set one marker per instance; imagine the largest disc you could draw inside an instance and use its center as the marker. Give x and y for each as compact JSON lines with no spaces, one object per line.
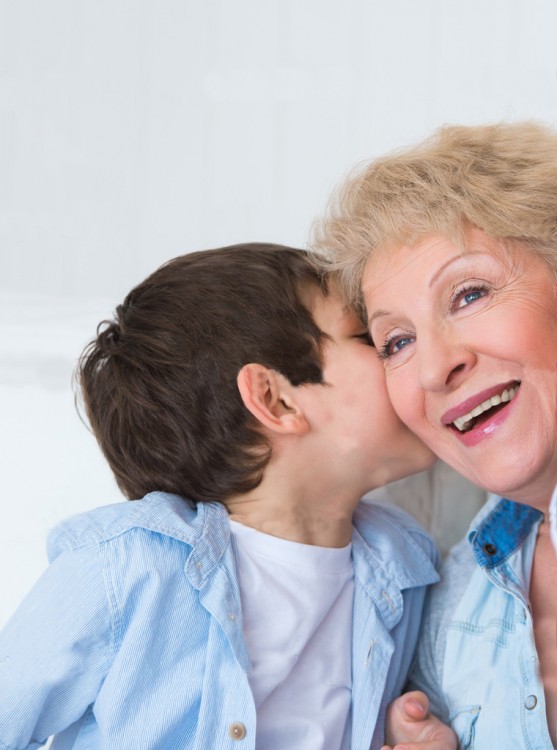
{"x":387,"y":558}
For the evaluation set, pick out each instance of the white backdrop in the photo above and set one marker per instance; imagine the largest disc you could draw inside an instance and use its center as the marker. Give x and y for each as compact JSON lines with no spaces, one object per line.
{"x":133,"y":130}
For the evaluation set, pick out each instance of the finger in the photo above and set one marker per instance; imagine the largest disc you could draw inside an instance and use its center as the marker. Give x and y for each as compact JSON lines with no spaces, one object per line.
{"x":415,"y":704}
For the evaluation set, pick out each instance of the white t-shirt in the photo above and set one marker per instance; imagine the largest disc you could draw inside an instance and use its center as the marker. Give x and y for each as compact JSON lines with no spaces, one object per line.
{"x":297,"y":604}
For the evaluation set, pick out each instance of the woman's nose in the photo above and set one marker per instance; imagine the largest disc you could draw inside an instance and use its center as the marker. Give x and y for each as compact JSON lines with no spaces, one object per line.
{"x":443,"y":361}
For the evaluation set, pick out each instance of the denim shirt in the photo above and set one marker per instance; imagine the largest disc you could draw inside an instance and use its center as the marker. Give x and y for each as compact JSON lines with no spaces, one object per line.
{"x":133,"y":638}
{"x":477,"y":655}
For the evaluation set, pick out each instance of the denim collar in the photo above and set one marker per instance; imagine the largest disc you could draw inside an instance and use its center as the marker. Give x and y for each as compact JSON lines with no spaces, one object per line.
{"x":502,"y":532}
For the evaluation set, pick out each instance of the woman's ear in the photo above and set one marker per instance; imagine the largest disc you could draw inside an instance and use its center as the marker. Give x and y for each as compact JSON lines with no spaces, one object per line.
{"x":270,"y":397}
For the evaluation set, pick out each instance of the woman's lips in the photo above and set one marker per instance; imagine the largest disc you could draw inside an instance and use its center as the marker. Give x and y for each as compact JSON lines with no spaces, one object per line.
{"x":480,"y":402}
{"x":474,"y":429}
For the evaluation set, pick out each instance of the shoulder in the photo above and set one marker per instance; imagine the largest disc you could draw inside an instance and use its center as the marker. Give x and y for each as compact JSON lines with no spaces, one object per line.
{"x":162,"y":514}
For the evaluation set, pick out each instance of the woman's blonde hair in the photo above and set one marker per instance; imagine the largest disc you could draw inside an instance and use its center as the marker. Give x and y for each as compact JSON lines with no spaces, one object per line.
{"x":501,"y":178}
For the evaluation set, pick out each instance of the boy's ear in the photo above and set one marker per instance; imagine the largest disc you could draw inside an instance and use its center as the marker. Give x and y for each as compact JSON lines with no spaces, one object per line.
{"x":271,"y":399}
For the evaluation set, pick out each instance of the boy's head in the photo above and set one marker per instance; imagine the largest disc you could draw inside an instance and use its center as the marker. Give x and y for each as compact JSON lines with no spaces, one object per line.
{"x":159,"y":381}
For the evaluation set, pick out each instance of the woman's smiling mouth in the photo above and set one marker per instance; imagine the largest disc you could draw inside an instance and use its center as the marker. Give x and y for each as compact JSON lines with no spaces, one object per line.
{"x":464,"y":417}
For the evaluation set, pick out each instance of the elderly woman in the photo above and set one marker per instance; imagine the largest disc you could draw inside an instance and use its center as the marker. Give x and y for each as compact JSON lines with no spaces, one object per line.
{"x":450,"y":250}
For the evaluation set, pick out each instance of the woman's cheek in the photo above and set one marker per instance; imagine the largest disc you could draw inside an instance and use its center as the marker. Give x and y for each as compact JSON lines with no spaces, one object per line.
{"x":400,"y":393}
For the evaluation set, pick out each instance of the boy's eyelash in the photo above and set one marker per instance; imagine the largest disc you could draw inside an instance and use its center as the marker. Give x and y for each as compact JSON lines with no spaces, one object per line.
{"x":365,"y":336}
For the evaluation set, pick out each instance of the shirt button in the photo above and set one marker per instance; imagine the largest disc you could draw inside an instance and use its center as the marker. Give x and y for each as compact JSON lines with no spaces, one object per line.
{"x":531,"y":702}
{"x":490,"y":549}
{"x":237,"y":731}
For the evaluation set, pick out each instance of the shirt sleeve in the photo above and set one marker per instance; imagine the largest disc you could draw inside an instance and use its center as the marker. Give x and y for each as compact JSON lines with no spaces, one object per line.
{"x":55,"y":651}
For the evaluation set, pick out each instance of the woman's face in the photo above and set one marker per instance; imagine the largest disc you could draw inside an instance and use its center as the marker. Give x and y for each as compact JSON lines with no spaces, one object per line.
{"x":469,"y":343}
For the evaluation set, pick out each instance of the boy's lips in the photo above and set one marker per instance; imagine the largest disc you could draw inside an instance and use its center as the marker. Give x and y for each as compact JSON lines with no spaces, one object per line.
{"x":462,"y":413}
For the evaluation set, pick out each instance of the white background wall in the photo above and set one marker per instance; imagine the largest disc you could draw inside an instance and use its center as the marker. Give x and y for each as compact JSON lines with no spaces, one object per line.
{"x":133,"y":130}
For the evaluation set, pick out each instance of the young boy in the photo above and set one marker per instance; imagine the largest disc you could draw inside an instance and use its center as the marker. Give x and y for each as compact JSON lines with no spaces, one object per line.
{"x":248,"y":600}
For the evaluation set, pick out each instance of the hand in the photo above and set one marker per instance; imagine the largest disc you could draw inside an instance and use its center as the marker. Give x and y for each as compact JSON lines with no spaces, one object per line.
{"x":410,"y":726}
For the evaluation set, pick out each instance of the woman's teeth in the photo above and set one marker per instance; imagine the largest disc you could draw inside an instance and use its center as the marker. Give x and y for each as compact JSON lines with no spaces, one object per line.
{"x":466,"y":422}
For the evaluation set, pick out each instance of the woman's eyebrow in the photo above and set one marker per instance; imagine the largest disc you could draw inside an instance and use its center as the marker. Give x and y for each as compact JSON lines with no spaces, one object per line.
{"x":442,"y":269}
{"x":377,"y":314}
{"x":474,"y":255}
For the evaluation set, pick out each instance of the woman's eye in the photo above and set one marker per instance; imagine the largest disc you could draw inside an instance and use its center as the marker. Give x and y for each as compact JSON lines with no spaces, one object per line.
{"x":394,"y":345}
{"x":465,"y":297}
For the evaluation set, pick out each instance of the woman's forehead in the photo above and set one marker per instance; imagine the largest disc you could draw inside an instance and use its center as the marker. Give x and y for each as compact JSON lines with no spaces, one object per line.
{"x":432,"y":250}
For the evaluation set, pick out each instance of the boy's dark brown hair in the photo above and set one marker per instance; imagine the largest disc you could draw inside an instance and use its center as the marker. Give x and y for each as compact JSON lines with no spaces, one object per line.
{"x":159,"y":381}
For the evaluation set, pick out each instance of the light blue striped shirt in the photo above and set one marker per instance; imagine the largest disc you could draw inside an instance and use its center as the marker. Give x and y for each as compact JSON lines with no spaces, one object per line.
{"x":133,"y":638}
